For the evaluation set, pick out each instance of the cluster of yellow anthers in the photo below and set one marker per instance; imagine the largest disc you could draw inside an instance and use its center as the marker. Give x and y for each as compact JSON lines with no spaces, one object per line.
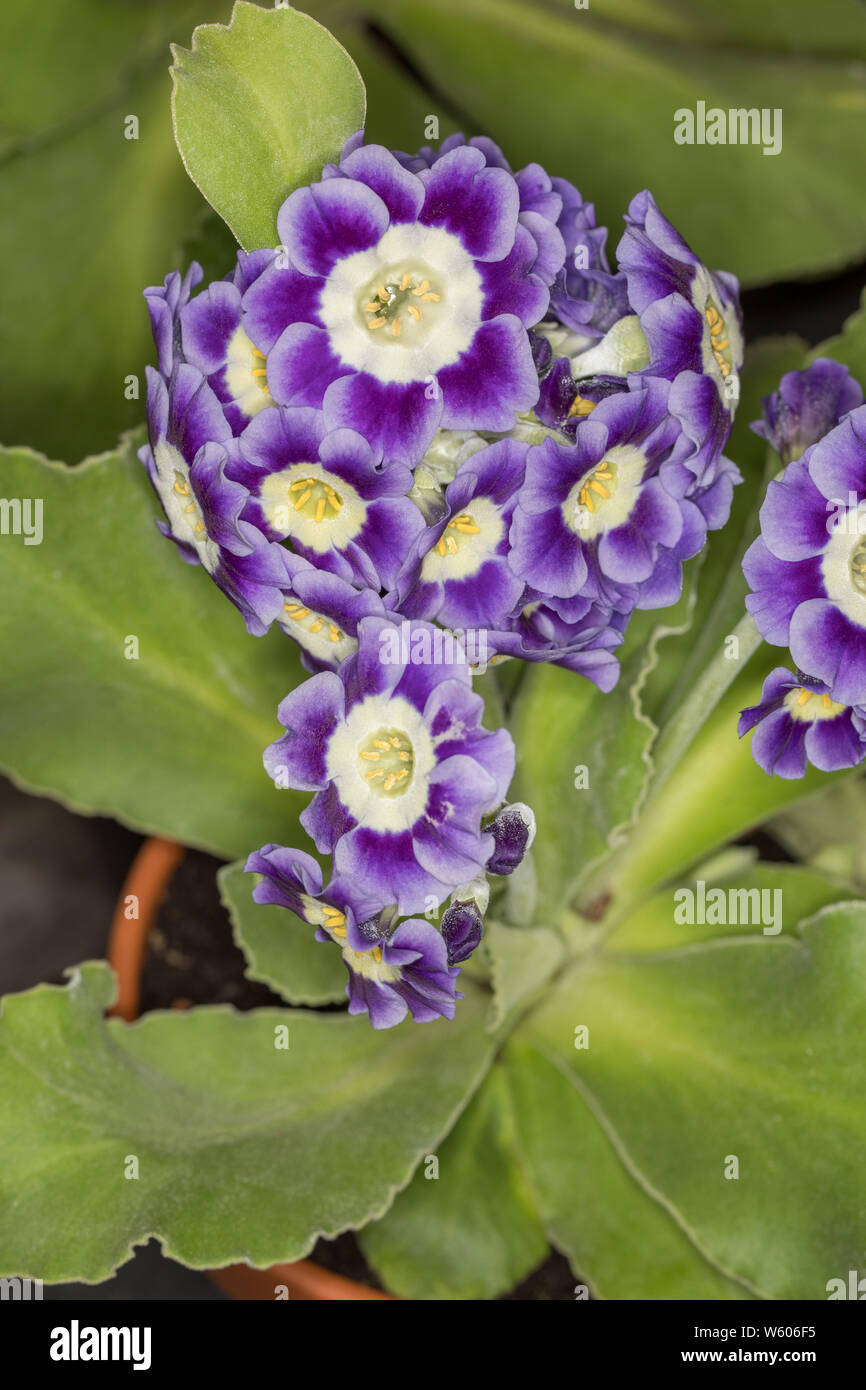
{"x":326,"y":496}
{"x":182,"y":488}
{"x":297,"y":612}
{"x":334,"y":921}
{"x":396,"y":750}
{"x":597,"y":482}
{"x":580,"y":407}
{"x":391,"y":296}
{"x":812,"y":697}
{"x":261,"y":371}
{"x":464,"y":525}
{"x":718,"y":341}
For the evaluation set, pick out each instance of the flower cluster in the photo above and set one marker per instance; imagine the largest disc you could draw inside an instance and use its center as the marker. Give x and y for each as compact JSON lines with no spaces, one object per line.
{"x":807,"y":573}
{"x":436,"y":408}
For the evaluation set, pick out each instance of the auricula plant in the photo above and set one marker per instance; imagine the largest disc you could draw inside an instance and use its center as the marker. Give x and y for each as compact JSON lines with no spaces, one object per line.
{"x":486,"y":570}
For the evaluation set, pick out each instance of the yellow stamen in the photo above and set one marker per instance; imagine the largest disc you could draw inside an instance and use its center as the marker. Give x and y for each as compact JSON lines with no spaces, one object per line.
{"x":320,"y":509}
{"x":415,"y":312}
{"x":303,"y":499}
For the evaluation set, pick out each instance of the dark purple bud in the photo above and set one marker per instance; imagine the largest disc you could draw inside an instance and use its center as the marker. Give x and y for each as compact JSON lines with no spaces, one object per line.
{"x":461,"y":931}
{"x":513,"y":832}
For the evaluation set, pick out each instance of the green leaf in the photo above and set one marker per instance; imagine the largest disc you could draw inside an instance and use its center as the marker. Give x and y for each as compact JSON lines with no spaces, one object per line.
{"x":789,"y":893}
{"x":583,"y":765}
{"x":471,"y":1231}
{"x":828,"y":829}
{"x":259,"y":107}
{"x":94,"y":217}
{"x":743,"y":1047}
{"x":522,"y":960}
{"x":170,"y":741}
{"x":616,"y":1236}
{"x":716,"y":792}
{"x":565,"y":87}
{"x":281,"y":950}
{"x":246,"y":1150}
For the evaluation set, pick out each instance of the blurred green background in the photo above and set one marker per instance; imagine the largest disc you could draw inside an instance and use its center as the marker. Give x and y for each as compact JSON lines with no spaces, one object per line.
{"x":91,"y":217}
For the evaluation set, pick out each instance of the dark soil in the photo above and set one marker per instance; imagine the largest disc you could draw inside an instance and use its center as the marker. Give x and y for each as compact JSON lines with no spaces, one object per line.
{"x":192,"y":959}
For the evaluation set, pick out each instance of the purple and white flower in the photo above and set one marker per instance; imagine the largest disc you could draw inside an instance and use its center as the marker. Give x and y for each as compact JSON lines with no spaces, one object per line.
{"x":327,"y":494}
{"x":392,"y":970}
{"x":186,"y":462}
{"x":595,"y":519}
{"x":408,"y":300}
{"x":807,"y":569}
{"x":403,"y":771}
{"x":690,"y":316}
{"x":585,"y":642}
{"x":321,"y":612}
{"x":807,"y":405}
{"x":459,"y":573}
{"x":798,"y":723}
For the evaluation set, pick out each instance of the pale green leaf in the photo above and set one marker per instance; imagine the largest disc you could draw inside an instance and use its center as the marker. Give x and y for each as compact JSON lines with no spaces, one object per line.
{"x":280,"y":949}
{"x":245,"y":1149}
{"x":260,"y":105}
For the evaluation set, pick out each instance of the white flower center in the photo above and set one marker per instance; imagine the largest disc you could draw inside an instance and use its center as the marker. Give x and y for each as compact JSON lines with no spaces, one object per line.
{"x":317,"y":634}
{"x":312,"y":506}
{"x":246,"y":374}
{"x":380,"y":758}
{"x":722,"y":344}
{"x":181,"y":509}
{"x":605,"y":496}
{"x":466,"y":543}
{"x":806,"y":705}
{"x":407,"y":307}
{"x":843,"y":565}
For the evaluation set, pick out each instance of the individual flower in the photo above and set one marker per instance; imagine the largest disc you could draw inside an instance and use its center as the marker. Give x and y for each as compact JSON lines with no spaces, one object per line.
{"x":807,"y":405}
{"x":690,"y":316}
{"x":585,"y":642}
{"x":807,"y":569}
{"x":321,"y":612}
{"x":215,"y":340}
{"x":459,"y":573}
{"x":595,"y":519}
{"x":403,"y":771}
{"x":406,"y":302}
{"x":186,"y":463}
{"x":797,"y":723}
{"x":392,"y":970}
{"x":327,"y":494}
{"x":563,"y":402}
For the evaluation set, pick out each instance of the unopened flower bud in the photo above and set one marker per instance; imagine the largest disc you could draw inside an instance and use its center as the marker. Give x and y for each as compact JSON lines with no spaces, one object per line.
{"x":513,"y":832}
{"x":461,"y":930}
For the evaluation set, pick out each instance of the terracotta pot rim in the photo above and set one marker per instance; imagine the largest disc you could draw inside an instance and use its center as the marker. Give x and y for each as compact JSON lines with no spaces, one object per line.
{"x":148,"y":880}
